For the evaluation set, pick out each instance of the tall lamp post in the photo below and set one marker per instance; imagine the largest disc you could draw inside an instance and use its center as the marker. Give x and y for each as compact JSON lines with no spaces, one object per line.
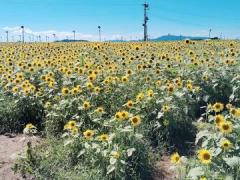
{"x":6,"y":36}
{"x":22,"y":27}
{"x":210,"y":30}
{"x":99,"y":32}
{"x":74,"y":35}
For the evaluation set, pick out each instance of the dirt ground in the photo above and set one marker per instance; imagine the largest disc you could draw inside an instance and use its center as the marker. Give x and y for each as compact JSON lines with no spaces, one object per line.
{"x":163,"y":171}
{"x":10,"y":147}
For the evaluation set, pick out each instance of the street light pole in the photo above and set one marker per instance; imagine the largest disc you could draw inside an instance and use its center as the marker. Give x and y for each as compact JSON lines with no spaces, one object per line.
{"x":99,"y":31}
{"x":7,"y":36}
{"x":22,"y":27}
{"x":74,"y":35}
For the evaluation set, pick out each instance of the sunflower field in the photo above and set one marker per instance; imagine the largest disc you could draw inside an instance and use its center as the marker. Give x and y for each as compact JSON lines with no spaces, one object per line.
{"x":112,"y":110}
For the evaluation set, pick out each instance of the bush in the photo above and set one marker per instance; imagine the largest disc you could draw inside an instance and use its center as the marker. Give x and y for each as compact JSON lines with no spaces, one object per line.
{"x":15,"y":114}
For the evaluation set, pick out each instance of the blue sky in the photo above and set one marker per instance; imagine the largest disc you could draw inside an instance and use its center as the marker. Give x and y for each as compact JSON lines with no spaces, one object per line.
{"x":120,"y":18}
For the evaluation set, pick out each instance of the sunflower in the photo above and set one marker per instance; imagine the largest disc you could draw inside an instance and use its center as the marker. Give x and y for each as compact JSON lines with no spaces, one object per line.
{"x":204,"y":156}
{"x":219,"y":119}
{"x":175,"y":158}
{"x":124,"y":114}
{"x":226,"y":144}
{"x":88,"y":133}
{"x":74,"y":131}
{"x":115,"y":154}
{"x":166,"y":108}
{"x":226,"y":127}
{"x":75,"y":91}
{"x":217,"y":107}
{"x":104,"y":137}
{"x":118,"y":116}
{"x":100,"y":110}
{"x":140,"y":96}
{"x":150,"y":93}
{"x":170,"y":88}
{"x":235,"y":112}
{"x":86,"y":105}
{"x":136,"y":120}
{"x":30,"y":126}
{"x":130,"y":104}
{"x":70,"y":125}
{"x":15,"y":89}
{"x":124,"y":79}
{"x":189,"y":86}
{"x":65,"y":91}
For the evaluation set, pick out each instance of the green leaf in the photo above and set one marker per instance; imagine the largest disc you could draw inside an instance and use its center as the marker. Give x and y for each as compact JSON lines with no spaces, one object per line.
{"x":232,"y":161}
{"x":195,"y":172}
{"x":201,"y":134}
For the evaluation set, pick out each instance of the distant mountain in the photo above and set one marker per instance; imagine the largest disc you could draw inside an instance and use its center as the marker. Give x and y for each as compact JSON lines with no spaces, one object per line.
{"x":167,"y":38}
{"x":178,"y":38}
{"x":70,"y":40}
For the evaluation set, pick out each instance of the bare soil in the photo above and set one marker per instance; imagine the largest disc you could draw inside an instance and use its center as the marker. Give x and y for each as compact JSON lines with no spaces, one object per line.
{"x":163,"y":171}
{"x":10,"y":147}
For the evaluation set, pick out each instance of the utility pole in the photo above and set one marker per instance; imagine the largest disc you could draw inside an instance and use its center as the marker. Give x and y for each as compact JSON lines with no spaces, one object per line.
{"x":46,"y":38}
{"x":22,"y":27}
{"x":146,"y":7}
{"x":6,"y":36}
{"x":74,"y":35}
{"x":210,"y":30}
{"x":99,"y":32}
{"x":54,"y":36}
